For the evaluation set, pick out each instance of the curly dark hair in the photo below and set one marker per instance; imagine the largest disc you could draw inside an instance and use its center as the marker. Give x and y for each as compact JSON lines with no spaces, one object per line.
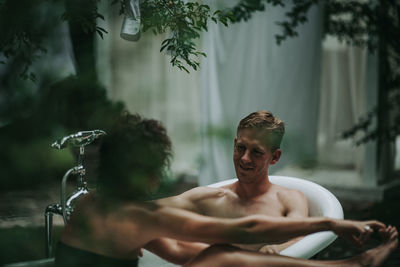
{"x":134,"y":154}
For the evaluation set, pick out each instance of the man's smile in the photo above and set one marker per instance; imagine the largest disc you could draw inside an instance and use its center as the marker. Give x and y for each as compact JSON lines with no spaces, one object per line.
{"x":245,"y":168}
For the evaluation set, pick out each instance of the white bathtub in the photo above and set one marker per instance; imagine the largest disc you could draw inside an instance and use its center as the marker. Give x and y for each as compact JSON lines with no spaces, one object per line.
{"x":321,"y":203}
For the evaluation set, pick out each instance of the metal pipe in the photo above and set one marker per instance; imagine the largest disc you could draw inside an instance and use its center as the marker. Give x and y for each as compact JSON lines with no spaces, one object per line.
{"x":77,"y":194}
{"x":74,"y":170}
{"x":48,"y":215}
{"x":49,"y":237}
{"x":80,"y":163}
{"x":63,"y":189}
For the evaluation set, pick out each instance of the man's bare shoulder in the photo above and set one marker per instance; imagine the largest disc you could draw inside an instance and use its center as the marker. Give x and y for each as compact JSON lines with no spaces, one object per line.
{"x":288,"y":193}
{"x":194,"y":198}
{"x":203,"y":193}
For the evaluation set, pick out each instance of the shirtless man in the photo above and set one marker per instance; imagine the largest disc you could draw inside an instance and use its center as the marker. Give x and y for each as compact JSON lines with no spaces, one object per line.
{"x":256,"y":147}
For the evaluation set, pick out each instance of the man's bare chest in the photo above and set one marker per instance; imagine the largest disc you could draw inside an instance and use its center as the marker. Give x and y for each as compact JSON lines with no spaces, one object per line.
{"x":232,"y":207}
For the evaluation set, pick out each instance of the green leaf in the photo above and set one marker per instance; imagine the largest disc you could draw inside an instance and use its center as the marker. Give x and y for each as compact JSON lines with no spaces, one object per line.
{"x":100,"y":33}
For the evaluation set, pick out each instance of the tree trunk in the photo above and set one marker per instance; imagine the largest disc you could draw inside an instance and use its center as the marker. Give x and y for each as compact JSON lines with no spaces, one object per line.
{"x":385,"y":157}
{"x":83,"y":40}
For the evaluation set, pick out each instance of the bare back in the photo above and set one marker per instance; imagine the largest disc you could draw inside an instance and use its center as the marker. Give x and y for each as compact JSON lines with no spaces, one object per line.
{"x":109,"y":233}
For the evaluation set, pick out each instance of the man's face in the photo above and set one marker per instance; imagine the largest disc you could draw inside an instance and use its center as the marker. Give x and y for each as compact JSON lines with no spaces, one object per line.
{"x":252,"y":156}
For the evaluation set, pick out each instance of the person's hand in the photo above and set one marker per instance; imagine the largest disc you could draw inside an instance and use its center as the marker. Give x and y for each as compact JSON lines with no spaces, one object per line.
{"x":356,"y":231}
{"x":389,"y":234}
{"x":270,"y":249}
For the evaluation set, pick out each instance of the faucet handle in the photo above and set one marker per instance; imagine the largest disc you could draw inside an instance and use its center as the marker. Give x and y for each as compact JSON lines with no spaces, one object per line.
{"x":79,"y":139}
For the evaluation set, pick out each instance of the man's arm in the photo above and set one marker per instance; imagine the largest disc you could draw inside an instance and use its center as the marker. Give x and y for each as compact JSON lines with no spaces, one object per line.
{"x":188,"y":226}
{"x":296,"y":207}
{"x":175,"y":251}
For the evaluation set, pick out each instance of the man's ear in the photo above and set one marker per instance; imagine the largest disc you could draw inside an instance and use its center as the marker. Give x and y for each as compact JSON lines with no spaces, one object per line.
{"x":276,"y":155}
{"x":235,"y":141}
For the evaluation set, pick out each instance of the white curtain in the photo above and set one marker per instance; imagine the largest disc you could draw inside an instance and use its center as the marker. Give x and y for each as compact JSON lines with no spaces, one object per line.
{"x":343,"y":100}
{"x":142,"y":77}
{"x":247,"y":71}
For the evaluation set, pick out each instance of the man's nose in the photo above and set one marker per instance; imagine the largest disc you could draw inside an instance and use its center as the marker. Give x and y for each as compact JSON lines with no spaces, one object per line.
{"x":246,"y":156}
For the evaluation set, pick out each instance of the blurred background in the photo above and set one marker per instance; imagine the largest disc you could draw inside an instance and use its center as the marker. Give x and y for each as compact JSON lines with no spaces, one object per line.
{"x":334,"y":82}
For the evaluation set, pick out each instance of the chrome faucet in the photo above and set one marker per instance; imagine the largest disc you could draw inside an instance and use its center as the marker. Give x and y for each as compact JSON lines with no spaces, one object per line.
{"x":66,"y":206}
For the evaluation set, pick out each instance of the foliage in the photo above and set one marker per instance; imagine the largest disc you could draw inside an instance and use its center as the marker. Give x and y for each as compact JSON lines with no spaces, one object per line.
{"x":374,"y":25}
{"x":294,"y":17}
{"x":31,"y":164}
{"x":75,"y":103}
{"x":371,"y":24}
{"x":186,"y":20}
{"x":21,"y":40}
{"x":26,"y":24}
{"x":67,"y":106}
{"x":85,"y":17}
{"x":23,"y":32}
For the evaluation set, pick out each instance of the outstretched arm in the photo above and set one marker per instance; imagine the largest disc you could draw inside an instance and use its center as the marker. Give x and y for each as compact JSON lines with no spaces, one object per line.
{"x":188,"y":226}
{"x":175,"y":251}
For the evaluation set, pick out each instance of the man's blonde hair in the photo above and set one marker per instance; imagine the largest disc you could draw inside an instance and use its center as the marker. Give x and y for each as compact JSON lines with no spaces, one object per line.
{"x":265,"y":121}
